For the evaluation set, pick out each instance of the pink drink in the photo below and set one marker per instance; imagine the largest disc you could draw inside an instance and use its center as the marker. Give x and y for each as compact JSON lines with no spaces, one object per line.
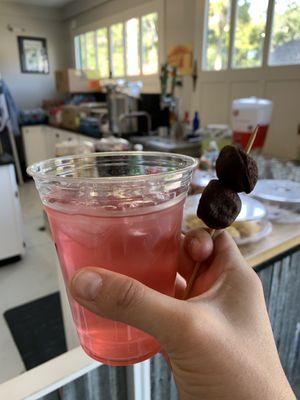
{"x":143,"y":246}
{"x":121,"y":211}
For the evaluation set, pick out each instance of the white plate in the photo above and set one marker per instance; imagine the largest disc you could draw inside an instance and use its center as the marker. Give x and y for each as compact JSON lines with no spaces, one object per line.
{"x":283,"y":215}
{"x":266,"y":229}
{"x":252,"y":210}
{"x":281,"y":191}
{"x":201,"y":178}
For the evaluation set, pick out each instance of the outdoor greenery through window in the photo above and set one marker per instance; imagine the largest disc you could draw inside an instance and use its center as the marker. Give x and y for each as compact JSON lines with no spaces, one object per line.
{"x":122,"y":49}
{"x":251,"y":16}
{"x":90,"y":50}
{"x":249,"y":21}
{"x":117,"y":50}
{"x":217,"y":40}
{"x":285,"y":42}
{"x":132,"y":47}
{"x":150,"y":43}
{"x":102,"y":51}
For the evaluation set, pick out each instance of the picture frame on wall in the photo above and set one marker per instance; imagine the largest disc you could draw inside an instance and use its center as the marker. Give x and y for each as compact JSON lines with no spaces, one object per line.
{"x":33,"y":55}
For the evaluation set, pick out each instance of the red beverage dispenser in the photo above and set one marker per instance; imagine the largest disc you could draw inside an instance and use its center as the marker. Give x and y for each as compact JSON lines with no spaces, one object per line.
{"x":246,"y":114}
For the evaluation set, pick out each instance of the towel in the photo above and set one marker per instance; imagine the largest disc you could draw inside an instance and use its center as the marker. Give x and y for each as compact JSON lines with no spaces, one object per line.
{"x":11,"y":107}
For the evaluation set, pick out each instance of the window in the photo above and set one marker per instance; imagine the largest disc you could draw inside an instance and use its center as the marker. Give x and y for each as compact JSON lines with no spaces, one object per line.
{"x":150,"y":43}
{"x":217,"y":40}
{"x":128,"y":48}
{"x":285,"y":40}
{"x":251,"y":16}
{"x":132,"y":47}
{"x":83,"y":62}
{"x":90,"y":50}
{"x":235,"y":38}
{"x":117,"y":50}
{"x":102,"y":52}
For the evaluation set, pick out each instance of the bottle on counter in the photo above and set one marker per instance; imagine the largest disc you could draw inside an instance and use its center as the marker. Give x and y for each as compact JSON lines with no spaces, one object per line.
{"x":186,"y":118}
{"x":186,"y":123}
{"x":196,"y":122}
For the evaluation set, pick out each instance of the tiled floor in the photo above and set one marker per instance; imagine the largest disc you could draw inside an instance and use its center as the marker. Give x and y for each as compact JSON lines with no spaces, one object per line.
{"x":32,"y":277}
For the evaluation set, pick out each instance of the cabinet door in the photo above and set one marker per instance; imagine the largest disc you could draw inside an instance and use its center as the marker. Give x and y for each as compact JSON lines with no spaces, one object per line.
{"x":35,"y":144}
{"x":68,"y":135}
{"x":51,"y":135}
{"x":11,"y":243}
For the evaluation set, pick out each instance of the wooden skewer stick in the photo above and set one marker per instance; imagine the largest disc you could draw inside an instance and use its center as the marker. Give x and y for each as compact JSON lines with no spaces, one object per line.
{"x":251,"y":140}
{"x":213,"y":231}
{"x":195,"y":273}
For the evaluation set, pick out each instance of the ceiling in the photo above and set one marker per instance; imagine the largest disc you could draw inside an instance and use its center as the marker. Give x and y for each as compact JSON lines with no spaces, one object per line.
{"x":42,"y":3}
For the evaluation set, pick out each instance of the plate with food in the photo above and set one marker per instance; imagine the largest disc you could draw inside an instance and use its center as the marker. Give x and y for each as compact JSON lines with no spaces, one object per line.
{"x":242,"y":232}
{"x":251,"y":210}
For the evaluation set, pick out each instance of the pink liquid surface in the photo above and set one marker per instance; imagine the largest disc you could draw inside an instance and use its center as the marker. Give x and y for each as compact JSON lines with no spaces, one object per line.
{"x":143,"y":246}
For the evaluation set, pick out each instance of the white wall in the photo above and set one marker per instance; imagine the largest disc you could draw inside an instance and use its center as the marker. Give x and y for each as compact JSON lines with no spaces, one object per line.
{"x":180,"y":28}
{"x":30,"y":89}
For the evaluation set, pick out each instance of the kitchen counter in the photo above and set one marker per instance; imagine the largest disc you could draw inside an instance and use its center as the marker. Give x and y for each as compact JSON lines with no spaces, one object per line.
{"x":156,"y":143}
{"x":282,"y":239}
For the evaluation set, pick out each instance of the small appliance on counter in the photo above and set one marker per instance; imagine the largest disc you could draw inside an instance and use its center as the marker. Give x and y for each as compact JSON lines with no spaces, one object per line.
{"x":246,"y":114}
{"x":11,"y":227}
{"x":122,"y":102}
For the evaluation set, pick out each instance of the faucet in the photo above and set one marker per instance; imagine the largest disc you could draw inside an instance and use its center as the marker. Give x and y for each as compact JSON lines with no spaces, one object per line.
{"x":135,"y":114}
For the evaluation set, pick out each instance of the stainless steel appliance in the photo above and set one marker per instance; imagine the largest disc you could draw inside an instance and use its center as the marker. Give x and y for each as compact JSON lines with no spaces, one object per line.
{"x":122,"y":103}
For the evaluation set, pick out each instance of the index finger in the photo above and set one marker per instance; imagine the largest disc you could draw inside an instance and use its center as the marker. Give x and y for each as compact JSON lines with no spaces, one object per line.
{"x":197,"y":246}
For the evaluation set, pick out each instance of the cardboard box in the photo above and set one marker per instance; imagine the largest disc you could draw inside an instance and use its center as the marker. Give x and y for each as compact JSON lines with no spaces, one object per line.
{"x":76,"y":81}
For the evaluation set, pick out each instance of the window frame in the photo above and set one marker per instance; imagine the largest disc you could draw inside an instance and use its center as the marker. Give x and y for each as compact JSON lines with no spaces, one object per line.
{"x":233,"y":18}
{"x":150,"y":81}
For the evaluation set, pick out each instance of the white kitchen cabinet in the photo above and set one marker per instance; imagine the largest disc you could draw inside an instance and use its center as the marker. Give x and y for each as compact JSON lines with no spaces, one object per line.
{"x":36,"y":143}
{"x":11,"y":228}
{"x":40,"y":141}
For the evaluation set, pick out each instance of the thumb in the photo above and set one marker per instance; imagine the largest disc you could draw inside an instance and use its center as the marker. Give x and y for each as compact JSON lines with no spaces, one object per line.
{"x":121,"y":298}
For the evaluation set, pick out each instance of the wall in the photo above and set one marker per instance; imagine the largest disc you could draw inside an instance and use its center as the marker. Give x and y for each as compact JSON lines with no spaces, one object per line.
{"x":179,"y":28}
{"x":30,"y":89}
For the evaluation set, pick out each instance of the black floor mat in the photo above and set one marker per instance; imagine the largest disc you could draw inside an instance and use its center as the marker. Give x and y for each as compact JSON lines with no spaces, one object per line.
{"x":37,"y":329}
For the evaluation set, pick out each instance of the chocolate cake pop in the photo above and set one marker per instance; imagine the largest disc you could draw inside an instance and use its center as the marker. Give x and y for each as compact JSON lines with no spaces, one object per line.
{"x":219,"y":205}
{"x":236,"y":169}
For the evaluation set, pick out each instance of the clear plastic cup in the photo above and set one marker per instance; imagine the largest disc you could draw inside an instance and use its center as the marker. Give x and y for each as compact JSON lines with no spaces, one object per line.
{"x":121,"y":211}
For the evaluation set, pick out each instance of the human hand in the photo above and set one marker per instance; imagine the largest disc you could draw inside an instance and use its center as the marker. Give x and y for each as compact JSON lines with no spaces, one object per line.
{"x":219,"y":342}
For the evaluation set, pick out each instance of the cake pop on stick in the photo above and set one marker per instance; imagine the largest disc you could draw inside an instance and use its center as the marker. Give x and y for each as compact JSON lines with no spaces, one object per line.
{"x":236,"y":169}
{"x":212,"y":230}
{"x":219,"y":205}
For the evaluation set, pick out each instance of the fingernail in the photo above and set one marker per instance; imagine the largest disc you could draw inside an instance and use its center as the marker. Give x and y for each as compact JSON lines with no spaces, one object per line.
{"x":87,"y":285}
